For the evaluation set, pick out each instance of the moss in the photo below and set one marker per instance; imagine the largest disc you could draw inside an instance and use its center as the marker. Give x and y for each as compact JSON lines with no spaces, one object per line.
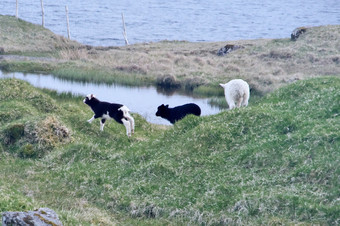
{"x":45,"y":220}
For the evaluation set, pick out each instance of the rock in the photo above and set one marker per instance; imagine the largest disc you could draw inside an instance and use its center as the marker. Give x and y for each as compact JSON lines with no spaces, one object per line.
{"x":40,"y":217}
{"x":227,"y":49}
{"x":167,"y":81}
{"x":297,"y":32}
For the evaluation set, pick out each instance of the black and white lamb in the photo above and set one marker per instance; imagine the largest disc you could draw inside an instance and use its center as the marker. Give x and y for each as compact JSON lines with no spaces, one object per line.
{"x":105,"y":110}
{"x":177,"y":113}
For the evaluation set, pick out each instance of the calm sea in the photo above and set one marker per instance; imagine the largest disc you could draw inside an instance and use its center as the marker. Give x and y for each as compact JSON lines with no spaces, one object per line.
{"x":97,"y":22}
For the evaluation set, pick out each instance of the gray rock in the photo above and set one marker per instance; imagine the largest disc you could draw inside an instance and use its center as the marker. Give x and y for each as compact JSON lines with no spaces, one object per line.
{"x":40,"y":217}
{"x":227,"y":49}
{"x":297,"y":32}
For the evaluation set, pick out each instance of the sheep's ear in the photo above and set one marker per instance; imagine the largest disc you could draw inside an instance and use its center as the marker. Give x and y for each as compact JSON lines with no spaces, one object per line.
{"x":90,"y":96}
{"x":223,"y":85}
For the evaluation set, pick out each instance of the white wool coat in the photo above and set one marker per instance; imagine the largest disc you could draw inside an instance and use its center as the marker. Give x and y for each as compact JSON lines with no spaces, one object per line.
{"x":236,"y":93}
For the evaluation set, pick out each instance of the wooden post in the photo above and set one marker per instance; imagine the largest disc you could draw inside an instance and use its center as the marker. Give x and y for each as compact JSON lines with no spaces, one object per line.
{"x":16,"y":11}
{"x":42,"y":13}
{"x":68,"y":25}
{"x":124,"y":31}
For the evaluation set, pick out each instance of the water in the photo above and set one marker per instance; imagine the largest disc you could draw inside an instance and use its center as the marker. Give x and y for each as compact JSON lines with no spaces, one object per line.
{"x":99,"y":22}
{"x":141,"y":100}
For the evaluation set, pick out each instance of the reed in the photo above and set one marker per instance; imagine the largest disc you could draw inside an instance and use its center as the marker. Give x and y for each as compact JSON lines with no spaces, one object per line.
{"x":85,"y":74}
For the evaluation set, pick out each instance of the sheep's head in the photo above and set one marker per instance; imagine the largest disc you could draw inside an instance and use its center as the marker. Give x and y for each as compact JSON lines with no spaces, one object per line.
{"x":162,"y":109}
{"x":89,"y":99}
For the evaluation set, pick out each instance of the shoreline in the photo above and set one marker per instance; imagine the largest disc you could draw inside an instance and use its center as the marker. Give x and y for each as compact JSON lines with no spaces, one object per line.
{"x":266,"y":64}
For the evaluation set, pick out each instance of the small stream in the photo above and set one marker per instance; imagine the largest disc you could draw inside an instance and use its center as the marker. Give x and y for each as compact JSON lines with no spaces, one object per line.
{"x":141,"y":100}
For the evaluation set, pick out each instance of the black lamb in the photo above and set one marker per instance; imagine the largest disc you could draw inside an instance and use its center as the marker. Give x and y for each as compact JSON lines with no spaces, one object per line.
{"x":177,"y":113}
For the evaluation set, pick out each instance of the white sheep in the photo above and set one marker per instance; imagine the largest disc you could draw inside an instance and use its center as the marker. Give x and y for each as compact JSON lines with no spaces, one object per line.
{"x":236,"y":93}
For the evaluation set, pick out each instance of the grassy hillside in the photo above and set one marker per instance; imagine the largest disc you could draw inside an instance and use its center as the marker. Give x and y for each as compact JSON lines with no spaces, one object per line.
{"x":265,"y":63}
{"x":275,"y":162}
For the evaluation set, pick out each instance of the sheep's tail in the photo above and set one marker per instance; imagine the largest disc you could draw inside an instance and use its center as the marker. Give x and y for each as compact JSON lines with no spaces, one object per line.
{"x":125,"y":110}
{"x":128,"y":117}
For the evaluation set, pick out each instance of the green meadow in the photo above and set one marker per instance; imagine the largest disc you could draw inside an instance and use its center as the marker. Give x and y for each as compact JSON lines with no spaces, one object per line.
{"x":273,"y":162}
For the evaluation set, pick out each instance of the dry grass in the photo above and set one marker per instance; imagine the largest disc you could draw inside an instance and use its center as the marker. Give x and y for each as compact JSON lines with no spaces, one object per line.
{"x":50,"y":132}
{"x":265,"y":63}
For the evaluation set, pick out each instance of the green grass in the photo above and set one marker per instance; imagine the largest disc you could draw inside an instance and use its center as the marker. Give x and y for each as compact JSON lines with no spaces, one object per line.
{"x":273,"y":162}
{"x":100,"y":75}
{"x":26,"y":67}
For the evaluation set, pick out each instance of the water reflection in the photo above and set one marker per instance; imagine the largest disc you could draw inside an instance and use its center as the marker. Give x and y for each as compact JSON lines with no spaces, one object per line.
{"x":141,"y":100}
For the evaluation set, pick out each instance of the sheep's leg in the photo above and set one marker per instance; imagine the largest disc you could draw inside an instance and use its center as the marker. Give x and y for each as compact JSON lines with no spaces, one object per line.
{"x":127,"y":125}
{"x":245,"y":103}
{"x":102,"y":123}
{"x":231,"y":104}
{"x":91,"y":119}
{"x":129,"y":118}
{"x":245,"y":100}
{"x":132,"y":122}
{"x":239,"y":102}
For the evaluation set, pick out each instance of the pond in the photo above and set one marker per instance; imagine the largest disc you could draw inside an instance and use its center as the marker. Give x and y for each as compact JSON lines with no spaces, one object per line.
{"x":141,"y":100}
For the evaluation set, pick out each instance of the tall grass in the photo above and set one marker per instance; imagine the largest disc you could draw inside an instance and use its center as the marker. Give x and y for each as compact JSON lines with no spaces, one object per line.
{"x":85,"y":74}
{"x":273,"y":162}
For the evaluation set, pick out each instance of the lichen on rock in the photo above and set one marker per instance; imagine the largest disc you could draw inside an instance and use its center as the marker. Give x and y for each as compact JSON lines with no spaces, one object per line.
{"x":40,"y":217}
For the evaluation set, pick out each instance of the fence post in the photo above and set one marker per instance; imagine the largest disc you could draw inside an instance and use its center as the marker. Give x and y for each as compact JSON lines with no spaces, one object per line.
{"x":68,"y":26}
{"x":124,"y":31}
{"x":42,"y":13}
{"x":16,"y":10}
